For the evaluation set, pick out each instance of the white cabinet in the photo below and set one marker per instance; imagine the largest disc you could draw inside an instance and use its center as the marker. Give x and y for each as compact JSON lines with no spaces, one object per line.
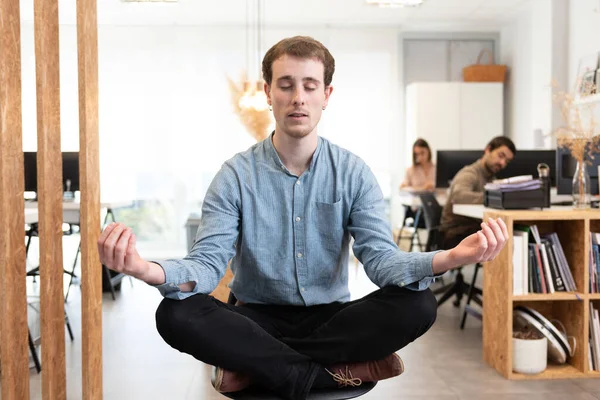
{"x":453,"y":115}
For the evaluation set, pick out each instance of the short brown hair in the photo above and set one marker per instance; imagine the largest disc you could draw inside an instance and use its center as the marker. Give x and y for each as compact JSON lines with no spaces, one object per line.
{"x":500,"y":141}
{"x":301,"y":47}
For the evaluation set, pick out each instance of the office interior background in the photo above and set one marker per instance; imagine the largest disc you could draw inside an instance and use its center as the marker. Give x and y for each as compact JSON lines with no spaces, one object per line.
{"x":167,"y":122}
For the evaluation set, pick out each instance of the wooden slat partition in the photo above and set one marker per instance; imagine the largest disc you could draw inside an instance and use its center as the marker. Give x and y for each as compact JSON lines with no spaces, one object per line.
{"x":13,"y":304}
{"x":50,"y":190}
{"x":91,"y":285}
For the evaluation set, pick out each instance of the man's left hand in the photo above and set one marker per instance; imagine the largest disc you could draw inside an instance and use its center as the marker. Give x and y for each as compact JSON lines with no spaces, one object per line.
{"x":483,"y":245}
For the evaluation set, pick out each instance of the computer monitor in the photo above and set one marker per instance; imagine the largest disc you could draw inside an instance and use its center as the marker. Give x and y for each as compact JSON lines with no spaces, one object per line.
{"x":30,"y":164}
{"x":70,"y":170}
{"x":449,"y":162}
{"x":526,"y":162}
{"x":565,"y":169}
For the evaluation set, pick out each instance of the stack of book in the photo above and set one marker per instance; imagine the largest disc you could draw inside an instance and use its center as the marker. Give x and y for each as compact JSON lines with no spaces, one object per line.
{"x":539,"y":263}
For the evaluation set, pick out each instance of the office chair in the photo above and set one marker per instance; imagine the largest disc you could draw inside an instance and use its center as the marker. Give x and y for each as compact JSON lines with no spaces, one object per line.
{"x":475,"y":295}
{"x":315,"y":394}
{"x":432,"y":213}
{"x":34,"y":232}
{"x":409,"y":230}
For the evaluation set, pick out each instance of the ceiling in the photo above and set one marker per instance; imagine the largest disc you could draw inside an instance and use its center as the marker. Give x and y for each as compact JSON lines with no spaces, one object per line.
{"x":445,"y":14}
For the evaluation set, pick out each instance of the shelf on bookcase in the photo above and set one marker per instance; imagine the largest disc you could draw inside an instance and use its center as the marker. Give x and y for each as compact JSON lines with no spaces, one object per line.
{"x":553,"y":371}
{"x":594,"y":296}
{"x":551,"y":296}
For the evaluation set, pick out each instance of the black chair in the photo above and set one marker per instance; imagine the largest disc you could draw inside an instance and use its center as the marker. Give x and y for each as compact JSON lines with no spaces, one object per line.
{"x":409,"y":230}
{"x":432,"y":213}
{"x":33,"y":231}
{"x":315,"y":394}
{"x":475,"y":294}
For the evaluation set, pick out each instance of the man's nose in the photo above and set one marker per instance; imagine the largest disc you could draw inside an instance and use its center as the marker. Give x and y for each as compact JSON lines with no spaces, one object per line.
{"x":298,"y":97}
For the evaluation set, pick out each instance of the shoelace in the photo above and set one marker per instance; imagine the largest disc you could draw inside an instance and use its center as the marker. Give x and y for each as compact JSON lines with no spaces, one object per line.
{"x":346,"y":379}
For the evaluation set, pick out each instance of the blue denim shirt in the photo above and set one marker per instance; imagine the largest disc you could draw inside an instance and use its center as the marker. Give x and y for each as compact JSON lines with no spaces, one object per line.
{"x":288,"y":237}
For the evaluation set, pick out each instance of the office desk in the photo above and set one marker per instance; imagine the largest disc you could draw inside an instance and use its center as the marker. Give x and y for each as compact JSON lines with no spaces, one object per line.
{"x":71,"y":211}
{"x":411,"y":199}
{"x":71,"y":215}
{"x":478,"y":211}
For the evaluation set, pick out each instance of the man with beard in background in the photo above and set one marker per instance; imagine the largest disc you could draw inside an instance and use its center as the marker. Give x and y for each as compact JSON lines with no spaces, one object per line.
{"x":467,"y":187}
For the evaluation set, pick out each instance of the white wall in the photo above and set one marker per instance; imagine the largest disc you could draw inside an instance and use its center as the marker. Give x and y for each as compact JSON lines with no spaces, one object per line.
{"x":166,"y":119}
{"x":526,"y":47}
{"x":584,"y":31}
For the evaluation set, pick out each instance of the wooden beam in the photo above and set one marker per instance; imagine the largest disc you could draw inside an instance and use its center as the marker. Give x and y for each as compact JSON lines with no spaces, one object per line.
{"x":14,"y":357}
{"x":91,"y":283}
{"x":50,"y":194}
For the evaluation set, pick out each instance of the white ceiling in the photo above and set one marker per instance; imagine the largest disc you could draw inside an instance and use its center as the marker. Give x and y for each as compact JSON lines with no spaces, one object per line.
{"x":455,"y":14}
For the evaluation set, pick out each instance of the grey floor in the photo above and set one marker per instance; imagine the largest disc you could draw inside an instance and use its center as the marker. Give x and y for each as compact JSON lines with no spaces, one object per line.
{"x":445,"y":364}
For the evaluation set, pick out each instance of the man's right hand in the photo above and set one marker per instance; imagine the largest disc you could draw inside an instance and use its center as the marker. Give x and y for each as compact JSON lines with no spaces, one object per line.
{"x":116,"y":247}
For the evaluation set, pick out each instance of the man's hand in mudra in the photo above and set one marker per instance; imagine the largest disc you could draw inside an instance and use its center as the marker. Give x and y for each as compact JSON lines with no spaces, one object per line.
{"x":483,"y":245}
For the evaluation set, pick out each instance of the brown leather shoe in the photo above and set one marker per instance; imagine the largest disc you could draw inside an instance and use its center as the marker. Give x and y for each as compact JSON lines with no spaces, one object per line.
{"x":370,"y":371}
{"x":225,"y":381}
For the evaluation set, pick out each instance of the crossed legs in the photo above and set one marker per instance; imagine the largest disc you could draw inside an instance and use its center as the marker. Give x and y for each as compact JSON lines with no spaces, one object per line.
{"x":285,"y":347}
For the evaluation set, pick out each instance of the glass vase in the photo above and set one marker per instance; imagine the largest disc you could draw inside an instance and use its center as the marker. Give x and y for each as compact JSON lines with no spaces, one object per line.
{"x":581,"y":187}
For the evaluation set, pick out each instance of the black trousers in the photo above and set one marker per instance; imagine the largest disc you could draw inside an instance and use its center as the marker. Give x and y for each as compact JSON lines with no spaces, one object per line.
{"x":283,"y":347}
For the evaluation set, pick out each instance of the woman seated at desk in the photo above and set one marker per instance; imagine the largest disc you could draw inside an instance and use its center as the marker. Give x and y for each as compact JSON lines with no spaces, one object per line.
{"x":419,"y":177}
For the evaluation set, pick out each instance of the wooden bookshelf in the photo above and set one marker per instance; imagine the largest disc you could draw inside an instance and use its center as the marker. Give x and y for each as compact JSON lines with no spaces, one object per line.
{"x":571,"y":308}
{"x":549,"y":297}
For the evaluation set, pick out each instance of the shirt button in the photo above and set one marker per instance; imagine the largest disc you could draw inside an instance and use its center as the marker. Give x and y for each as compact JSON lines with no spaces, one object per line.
{"x":298,"y":219}
{"x":402,"y":283}
{"x":299,"y":255}
{"x":302,"y":289}
{"x":297,"y":182}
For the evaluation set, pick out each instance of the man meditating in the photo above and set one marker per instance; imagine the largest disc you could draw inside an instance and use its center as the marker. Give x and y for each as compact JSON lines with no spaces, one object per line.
{"x":283,"y":213}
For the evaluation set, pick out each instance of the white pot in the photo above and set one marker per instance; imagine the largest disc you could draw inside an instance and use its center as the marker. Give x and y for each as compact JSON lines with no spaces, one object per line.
{"x":530,"y":356}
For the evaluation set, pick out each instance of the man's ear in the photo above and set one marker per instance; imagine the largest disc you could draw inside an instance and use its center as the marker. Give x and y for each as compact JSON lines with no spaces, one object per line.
{"x":328,"y":91}
{"x":267,"y":89}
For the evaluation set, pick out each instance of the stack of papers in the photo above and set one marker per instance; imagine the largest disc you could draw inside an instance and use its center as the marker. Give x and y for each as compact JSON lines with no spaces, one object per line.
{"x":531,"y":184}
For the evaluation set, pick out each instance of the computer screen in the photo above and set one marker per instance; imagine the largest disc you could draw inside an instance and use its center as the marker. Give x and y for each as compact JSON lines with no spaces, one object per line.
{"x":565,"y":169}
{"x":70,"y":170}
{"x":30,"y":163}
{"x":526,"y":162}
{"x":449,"y":162}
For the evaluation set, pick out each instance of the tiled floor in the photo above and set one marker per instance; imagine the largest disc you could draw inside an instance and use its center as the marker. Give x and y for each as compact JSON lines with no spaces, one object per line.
{"x":445,"y":364}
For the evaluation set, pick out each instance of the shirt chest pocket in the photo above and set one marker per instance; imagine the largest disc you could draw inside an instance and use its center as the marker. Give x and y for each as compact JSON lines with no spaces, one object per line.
{"x":329,"y":221}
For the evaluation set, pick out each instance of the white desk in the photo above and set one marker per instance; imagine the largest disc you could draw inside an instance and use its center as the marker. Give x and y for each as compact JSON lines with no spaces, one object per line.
{"x":477,"y":210}
{"x":411,"y":199}
{"x":71,"y":215}
{"x":71,"y":210}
